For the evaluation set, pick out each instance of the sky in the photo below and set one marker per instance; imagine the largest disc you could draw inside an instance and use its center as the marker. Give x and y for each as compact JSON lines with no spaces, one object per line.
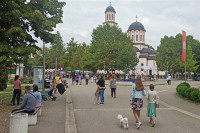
{"x":159,"y":17}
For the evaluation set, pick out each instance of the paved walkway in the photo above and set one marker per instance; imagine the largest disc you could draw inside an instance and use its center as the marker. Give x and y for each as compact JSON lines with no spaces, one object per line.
{"x":174,"y":115}
{"x":53,"y":116}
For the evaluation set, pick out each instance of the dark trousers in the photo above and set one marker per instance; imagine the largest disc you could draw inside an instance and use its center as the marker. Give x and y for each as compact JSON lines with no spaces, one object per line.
{"x":16,"y":94}
{"x":86,"y":81}
{"x":113,"y":90}
{"x":169,"y":82}
{"x":21,"y":111}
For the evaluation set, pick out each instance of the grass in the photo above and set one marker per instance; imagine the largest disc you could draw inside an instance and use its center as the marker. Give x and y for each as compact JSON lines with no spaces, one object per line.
{"x":186,"y":99}
{"x":11,"y":88}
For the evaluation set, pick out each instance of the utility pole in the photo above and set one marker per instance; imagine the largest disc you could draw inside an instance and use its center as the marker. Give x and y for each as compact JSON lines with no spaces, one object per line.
{"x":43,"y":77}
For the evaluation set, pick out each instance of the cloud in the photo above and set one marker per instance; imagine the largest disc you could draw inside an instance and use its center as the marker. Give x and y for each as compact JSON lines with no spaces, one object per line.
{"x":159,"y":17}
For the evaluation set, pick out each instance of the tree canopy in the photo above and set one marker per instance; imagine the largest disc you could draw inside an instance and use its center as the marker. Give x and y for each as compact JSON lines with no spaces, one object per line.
{"x":169,"y":53}
{"x":110,"y":45}
{"x":19,"y":22}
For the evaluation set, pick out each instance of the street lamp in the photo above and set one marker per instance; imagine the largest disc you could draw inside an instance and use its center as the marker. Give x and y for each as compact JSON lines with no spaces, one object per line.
{"x":43,"y":76}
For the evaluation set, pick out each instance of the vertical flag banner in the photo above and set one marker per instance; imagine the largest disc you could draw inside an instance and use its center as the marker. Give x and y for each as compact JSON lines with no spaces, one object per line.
{"x":183,"y":46}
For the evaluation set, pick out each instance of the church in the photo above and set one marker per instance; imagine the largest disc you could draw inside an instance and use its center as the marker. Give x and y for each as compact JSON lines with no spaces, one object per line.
{"x":136,"y":32}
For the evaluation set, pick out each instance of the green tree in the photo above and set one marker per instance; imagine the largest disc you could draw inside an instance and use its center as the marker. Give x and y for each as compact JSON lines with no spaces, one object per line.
{"x":20,"y":19}
{"x":190,"y":62}
{"x":110,"y":45}
{"x":71,"y":49}
{"x":195,"y":44}
{"x":169,"y":53}
{"x":57,"y":50}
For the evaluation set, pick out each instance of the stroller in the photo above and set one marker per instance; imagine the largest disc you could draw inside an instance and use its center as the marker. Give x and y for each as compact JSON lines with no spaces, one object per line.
{"x":49,"y":95}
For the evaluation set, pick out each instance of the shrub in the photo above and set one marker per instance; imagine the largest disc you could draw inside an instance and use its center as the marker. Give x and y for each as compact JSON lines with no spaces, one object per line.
{"x":184,"y":90}
{"x":194,"y":94}
{"x":187,"y":93}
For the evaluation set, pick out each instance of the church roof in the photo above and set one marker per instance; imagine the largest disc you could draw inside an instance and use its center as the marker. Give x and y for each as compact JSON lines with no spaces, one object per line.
{"x":143,"y":56}
{"x":136,"y":49}
{"x":110,"y":9}
{"x":146,"y":50}
{"x":136,"y":26}
{"x":151,"y":58}
{"x":153,"y":52}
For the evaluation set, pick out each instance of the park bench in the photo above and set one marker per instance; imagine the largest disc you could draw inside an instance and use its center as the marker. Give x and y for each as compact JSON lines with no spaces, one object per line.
{"x":32,"y":117}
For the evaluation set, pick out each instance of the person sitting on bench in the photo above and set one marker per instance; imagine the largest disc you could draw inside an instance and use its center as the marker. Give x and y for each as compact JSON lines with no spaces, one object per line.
{"x":29,"y":102}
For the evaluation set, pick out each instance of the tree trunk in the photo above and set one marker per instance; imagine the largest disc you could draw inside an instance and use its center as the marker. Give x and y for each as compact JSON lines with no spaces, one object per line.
{"x":4,"y":76}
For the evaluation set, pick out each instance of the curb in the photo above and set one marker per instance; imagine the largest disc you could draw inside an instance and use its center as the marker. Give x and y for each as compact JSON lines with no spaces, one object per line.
{"x":70,"y":124}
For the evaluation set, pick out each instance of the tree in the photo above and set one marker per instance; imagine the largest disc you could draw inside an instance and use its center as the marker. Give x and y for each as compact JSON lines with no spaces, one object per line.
{"x":190,"y":62}
{"x":195,"y":44}
{"x":71,"y":49}
{"x":169,"y":53}
{"x":110,"y":45}
{"x":57,"y":50}
{"x":18,"y":22}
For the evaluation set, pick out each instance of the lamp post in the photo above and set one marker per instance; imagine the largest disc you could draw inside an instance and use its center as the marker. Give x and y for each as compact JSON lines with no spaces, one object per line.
{"x":43,"y":76}
{"x":104,"y":69}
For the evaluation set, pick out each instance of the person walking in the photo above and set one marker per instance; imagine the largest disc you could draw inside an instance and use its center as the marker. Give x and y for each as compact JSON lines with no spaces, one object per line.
{"x":87,"y":78}
{"x":169,"y":79}
{"x":57,"y":78}
{"x":17,"y":90}
{"x":101,"y":83}
{"x":152,"y":98}
{"x":113,"y":86}
{"x":136,"y":101}
{"x":80,"y":78}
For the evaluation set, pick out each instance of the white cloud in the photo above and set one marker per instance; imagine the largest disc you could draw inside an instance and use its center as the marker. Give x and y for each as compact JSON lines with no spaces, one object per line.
{"x":159,"y":17}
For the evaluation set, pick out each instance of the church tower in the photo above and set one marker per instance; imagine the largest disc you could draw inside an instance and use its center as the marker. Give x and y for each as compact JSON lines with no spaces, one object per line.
{"x":136,"y":32}
{"x":110,"y":16}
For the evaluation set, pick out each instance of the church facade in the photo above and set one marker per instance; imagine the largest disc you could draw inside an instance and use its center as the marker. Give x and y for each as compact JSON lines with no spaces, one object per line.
{"x":145,"y":53}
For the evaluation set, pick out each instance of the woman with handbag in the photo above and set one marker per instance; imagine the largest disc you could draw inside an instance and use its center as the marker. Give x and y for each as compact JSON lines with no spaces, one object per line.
{"x":152,"y":98}
{"x":136,"y":101}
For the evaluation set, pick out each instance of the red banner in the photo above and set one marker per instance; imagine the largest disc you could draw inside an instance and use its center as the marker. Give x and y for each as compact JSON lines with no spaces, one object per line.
{"x":183,"y":46}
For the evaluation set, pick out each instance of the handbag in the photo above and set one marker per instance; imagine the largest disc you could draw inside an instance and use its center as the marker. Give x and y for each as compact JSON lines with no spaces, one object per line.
{"x":157,"y":105}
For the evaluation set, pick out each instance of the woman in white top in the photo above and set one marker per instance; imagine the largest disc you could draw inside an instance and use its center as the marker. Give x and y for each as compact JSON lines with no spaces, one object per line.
{"x":152,"y":98}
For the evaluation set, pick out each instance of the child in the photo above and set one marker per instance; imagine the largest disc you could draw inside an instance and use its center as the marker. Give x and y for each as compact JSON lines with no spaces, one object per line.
{"x":152,"y":98}
{"x":52,"y":87}
{"x":96,"y":100}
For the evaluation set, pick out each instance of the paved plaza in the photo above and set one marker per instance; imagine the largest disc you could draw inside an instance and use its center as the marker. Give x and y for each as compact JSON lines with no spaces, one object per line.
{"x":175,"y":115}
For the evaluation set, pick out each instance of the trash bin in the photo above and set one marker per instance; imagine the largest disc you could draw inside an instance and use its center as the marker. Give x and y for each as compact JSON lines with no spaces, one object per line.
{"x":47,"y":84}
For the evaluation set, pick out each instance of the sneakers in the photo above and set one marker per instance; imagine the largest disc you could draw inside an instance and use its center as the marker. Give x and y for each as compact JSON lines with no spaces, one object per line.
{"x":96,"y":103}
{"x":138,"y":125}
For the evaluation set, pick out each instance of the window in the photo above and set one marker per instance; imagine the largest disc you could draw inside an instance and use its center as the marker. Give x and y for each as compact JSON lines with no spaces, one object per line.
{"x":140,"y":37}
{"x":133,"y":37}
{"x":109,"y":16}
{"x":112,"y":17}
{"x":136,"y":37}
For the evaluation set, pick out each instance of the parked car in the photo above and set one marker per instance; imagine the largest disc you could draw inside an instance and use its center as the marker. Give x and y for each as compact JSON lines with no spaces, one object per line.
{"x":197,"y":78}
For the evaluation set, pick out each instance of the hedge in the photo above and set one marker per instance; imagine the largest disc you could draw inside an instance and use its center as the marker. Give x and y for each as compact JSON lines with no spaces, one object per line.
{"x":186,"y":91}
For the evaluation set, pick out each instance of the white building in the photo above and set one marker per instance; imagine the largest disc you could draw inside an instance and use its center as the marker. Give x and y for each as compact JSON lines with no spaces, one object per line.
{"x":136,"y":32}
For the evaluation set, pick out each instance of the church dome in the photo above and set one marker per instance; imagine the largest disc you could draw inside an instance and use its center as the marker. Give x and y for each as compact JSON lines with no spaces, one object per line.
{"x":110,"y":9}
{"x":136,"y":26}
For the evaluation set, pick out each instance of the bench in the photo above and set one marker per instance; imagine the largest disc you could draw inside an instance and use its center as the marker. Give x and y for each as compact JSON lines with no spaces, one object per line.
{"x":19,"y":123}
{"x":32,"y":117}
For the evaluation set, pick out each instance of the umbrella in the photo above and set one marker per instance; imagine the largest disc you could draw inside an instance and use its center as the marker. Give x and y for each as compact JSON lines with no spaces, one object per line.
{"x":111,"y":69}
{"x":61,"y":88}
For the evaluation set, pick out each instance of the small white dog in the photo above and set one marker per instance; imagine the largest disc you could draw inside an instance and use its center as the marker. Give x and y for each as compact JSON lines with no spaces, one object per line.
{"x":123,"y":121}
